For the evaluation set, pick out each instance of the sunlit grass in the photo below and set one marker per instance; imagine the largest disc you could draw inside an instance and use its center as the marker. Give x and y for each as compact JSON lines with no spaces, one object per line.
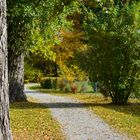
{"x":123,"y":118}
{"x":33,"y":121}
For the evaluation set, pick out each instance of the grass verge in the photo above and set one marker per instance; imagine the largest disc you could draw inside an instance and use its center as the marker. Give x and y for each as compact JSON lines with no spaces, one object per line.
{"x":125,"y":118}
{"x":33,"y":121}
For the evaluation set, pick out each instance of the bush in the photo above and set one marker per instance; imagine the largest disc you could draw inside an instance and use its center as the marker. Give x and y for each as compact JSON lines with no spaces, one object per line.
{"x":46,"y":83}
{"x":74,"y":88}
{"x":68,"y":86}
{"x":49,"y":82}
{"x":65,"y":85}
{"x":83,"y":88}
{"x":32,"y":74}
{"x":62,"y":84}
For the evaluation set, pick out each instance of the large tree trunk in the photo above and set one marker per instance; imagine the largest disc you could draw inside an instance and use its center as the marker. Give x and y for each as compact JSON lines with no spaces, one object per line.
{"x":16,"y":76}
{"x":5,"y":133}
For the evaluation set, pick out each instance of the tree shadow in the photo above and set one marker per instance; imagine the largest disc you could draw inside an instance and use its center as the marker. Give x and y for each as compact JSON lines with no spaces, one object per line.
{"x":133,"y":109}
{"x":130,"y":108}
{"x":45,"y":91}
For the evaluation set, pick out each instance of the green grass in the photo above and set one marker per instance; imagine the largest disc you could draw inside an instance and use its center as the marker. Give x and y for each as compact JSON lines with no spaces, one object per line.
{"x":33,"y":121}
{"x":123,"y":118}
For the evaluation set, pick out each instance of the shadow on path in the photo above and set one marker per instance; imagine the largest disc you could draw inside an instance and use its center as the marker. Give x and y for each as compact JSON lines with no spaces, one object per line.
{"x":128,"y":109}
{"x":133,"y":109}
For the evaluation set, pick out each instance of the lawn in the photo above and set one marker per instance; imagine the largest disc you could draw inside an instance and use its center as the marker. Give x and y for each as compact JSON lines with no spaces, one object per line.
{"x":123,"y":118}
{"x":33,"y":121}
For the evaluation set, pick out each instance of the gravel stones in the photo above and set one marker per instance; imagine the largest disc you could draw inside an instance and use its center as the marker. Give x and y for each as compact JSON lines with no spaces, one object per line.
{"x":76,"y":121}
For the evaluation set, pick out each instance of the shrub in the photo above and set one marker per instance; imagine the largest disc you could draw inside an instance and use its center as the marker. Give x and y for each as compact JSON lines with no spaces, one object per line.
{"x":32,"y":74}
{"x":46,"y":83}
{"x":83,"y":88}
{"x":74,"y":88}
{"x":67,"y":86}
{"x":62,"y":84}
{"x":49,"y":82}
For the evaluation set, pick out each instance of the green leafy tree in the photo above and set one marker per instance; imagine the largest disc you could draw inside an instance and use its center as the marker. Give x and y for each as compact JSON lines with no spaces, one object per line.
{"x":24,"y":18}
{"x":113,"y":55}
{"x":55,"y":56}
{"x":65,"y":55}
{"x":20,"y":16}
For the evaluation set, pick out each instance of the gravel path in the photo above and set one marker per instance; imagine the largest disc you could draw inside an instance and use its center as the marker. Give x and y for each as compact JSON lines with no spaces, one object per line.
{"x":77,"y":122}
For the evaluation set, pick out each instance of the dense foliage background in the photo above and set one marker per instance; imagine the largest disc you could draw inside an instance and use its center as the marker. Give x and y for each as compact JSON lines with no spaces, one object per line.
{"x":79,"y":40}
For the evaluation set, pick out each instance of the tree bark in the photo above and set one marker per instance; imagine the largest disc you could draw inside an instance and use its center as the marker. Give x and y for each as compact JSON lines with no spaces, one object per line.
{"x":5,"y":133}
{"x":16,"y":76}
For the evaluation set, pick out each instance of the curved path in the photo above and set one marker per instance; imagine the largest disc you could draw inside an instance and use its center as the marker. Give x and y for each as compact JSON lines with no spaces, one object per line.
{"x":76,"y":121}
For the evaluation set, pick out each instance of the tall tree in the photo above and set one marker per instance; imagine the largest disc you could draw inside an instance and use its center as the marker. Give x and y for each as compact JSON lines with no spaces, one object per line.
{"x":17,"y":32}
{"x":21,"y":17}
{"x":5,"y":133}
{"x":113,"y":55}
{"x":24,"y":16}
